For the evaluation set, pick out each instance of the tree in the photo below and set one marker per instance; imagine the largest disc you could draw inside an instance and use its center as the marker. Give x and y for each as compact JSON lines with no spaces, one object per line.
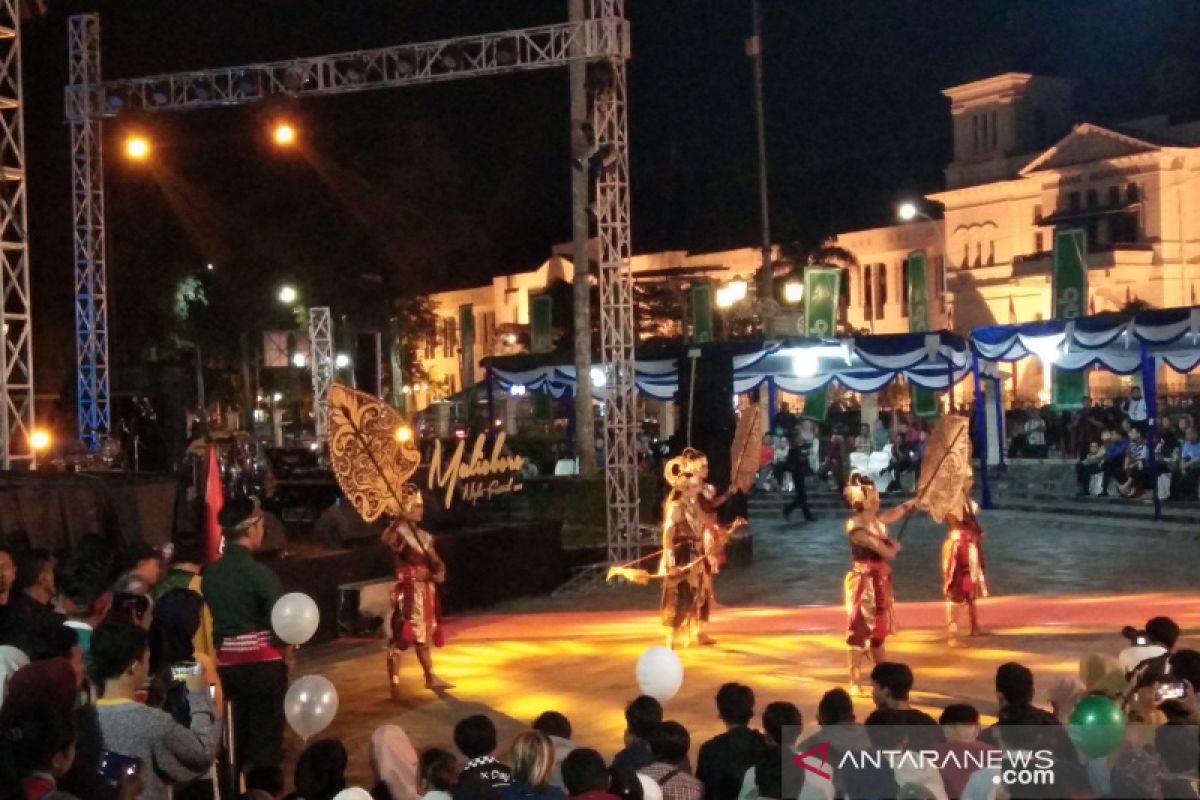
{"x":416,"y":323}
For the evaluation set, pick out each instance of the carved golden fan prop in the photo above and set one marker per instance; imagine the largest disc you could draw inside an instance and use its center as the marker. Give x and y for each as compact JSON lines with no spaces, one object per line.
{"x":747,"y":439}
{"x":373,"y":452}
{"x":945,"y":468}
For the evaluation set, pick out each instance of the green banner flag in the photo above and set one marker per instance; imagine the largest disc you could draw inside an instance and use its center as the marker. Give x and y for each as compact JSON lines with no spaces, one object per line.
{"x":700,"y":305}
{"x":1070,"y":293}
{"x":466,"y":327}
{"x":924,"y":401}
{"x":541,"y":318}
{"x":821,"y":288}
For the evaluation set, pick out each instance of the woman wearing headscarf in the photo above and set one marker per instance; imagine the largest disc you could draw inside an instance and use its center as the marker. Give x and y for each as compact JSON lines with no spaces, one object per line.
{"x":177,"y":618}
{"x":11,"y":660}
{"x":394,"y":762}
{"x":54,"y":682}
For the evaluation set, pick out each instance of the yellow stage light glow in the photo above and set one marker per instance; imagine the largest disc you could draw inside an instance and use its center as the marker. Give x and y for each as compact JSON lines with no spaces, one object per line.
{"x":404,"y":434}
{"x":284,"y":134}
{"x":39,"y":440}
{"x":137,"y":148}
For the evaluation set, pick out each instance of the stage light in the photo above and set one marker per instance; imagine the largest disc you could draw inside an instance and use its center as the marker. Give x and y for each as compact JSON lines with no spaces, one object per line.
{"x":599,"y":379}
{"x":517,"y":390}
{"x":406,"y":64}
{"x":137,"y":148}
{"x":159,"y":97}
{"x":404,"y":434}
{"x":793,"y":292}
{"x":907,"y":211}
{"x":1045,"y":349}
{"x":115,"y":102}
{"x":341,"y":361}
{"x":284,"y":134}
{"x":39,"y":440}
{"x":210,"y":267}
{"x":277,"y":397}
{"x":287,"y":295}
{"x":299,"y":360}
{"x":805,"y":363}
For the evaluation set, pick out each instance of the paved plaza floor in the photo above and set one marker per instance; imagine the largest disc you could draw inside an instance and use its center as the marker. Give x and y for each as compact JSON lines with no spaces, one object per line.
{"x":1058,"y":594}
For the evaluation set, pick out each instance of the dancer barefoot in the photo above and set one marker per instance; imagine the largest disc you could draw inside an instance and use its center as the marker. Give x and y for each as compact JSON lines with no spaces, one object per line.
{"x":868,"y":584}
{"x":415,"y":612}
{"x":963,"y":578}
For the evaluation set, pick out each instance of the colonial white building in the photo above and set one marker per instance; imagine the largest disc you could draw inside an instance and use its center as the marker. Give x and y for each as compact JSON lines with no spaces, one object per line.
{"x":1023,"y":165}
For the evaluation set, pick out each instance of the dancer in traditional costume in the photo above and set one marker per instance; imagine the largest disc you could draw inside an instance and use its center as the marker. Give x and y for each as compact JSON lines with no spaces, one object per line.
{"x":963,"y":579}
{"x":868,"y":584}
{"x":415,"y":606}
{"x":689,"y":558}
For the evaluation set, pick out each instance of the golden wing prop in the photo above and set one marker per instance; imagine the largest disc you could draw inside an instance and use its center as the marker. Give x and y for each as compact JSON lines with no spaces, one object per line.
{"x":631,"y":574}
{"x":371,"y":457}
{"x":945,"y":468}
{"x":747,"y":439}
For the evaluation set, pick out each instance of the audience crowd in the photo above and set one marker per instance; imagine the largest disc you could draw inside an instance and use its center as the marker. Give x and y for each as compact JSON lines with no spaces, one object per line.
{"x":107,"y":691}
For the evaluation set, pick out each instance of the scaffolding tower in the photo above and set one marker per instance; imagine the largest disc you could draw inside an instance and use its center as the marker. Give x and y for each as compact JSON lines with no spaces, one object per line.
{"x":16,"y":311}
{"x":601,"y":40}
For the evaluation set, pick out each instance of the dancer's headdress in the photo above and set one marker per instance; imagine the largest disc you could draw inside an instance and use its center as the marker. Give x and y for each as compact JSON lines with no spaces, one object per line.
{"x":858,"y":488}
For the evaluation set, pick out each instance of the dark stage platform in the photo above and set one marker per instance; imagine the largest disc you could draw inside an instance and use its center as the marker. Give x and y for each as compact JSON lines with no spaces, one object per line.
{"x":484,"y":564}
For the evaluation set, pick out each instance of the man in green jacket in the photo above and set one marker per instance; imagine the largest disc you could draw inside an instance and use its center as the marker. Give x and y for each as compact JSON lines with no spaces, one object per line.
{"x":252,"y":663}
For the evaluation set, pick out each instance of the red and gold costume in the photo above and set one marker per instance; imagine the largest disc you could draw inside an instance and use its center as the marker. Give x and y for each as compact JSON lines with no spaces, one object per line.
{"x":867,"y":587}
{"x":416,"y":614}
{"x":963,"y":578}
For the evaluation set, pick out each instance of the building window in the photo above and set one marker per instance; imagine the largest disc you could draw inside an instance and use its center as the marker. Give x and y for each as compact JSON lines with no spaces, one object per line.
{"x":991,"y":252}
{"x":995,"y":134}
{"x":979,"y":254}
{"x":881,"y":290}
{"x":868,"y":293}
{"x":975,"y":132}
{"x":1073,"y":201}
{"x":1131,"y":193}
{"x":1114,"y":196}
{"x":1037,"y":242}
{"x":1093,"y":199}
{"x":1037,"y":214}
{"x":1102,"y":232}
{"x":449,"y":337}
{"x":904,"y":288}
{"x":984,"y":135}
{"x":966,"y":262}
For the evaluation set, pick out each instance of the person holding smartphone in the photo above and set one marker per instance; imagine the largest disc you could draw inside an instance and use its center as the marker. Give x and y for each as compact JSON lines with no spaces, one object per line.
{"x":180,"y":754}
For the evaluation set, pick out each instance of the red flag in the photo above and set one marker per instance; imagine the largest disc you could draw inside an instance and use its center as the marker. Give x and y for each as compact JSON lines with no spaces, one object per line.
{"x":214,"y":498}
{"x":1012,"y":311}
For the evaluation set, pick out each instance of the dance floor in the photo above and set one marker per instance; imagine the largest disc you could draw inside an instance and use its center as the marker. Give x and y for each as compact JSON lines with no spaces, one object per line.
{"x":512,"y":667}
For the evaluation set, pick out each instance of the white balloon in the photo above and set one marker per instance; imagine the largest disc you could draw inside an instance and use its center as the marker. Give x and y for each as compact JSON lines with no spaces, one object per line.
{"x":353,"y":793}
{"x":295,"y":618}
{"x":659,"y":673}
{"x":310,"y":705}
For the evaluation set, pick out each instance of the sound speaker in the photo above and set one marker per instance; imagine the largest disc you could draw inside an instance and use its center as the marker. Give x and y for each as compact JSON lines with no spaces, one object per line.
{"x":710,"y":400}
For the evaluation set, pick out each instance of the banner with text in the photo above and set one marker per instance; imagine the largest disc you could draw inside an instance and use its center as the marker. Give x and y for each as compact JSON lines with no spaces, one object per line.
{"x":924,"y":401}
{"x":466,"y":324}
{"x":541,"y":322}
{"x":1070,"y":291}
{"x":700,"y":304}
{"x":822,"y":285}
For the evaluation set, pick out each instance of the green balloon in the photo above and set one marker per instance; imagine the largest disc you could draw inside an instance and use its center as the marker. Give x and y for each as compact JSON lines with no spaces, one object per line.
{"x":1097,"y":726}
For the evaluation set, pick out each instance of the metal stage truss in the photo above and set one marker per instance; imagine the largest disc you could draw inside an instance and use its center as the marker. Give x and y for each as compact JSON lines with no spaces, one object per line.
{"x":16,"y":311}
{"x":602,"y":39}
{"x":320,"y":337}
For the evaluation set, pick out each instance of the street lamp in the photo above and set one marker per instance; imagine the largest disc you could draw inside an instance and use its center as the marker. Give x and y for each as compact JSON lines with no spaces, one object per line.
{"x":137,"y":148}
{"x":284,"y":134}
{"x":793,"y":292}
{"x":287,"y":295}
{"x":724,"y":299}
{"x":737,"y":290}
{"x":299,"y":360}
{"x":341,"y":361}
{"x":907,"y":211}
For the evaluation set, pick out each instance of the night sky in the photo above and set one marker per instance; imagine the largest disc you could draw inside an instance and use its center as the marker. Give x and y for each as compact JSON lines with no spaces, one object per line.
{"x":444,"y":186}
